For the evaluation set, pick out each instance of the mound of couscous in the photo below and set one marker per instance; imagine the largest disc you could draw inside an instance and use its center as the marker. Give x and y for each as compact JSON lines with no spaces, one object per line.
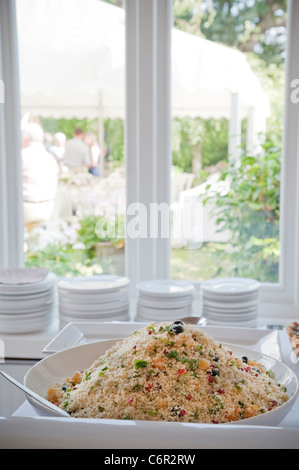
{"x":170,"y":372}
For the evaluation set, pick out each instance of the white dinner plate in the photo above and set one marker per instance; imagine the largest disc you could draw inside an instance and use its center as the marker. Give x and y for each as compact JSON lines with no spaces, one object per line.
{"x":230,"y":318}
{"x":57,"y":367}
{"x":230,"y":305}
{"x":87,"y":299}
{"x":152,"y":314}
{"x":27,"y":297}
{"x":162,"y":303}
{"x":35,"y":288}
{"x":26,"y":326}
{"x":96,"y":307}
{"x":92,"y":284}
{"x":117,"y":316}
{"x":243,"y":324}
{"x":230,"y":312}
{"x":229,"y":286}
{"x":26,"y":308}
{"x":165,"y":288}
{"x":122,"y":317}
{"x":82,"y":312}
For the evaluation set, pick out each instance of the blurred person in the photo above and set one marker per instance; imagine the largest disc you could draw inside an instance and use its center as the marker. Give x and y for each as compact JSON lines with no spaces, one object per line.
{"x":58,"y":147}
{"x":40,"y":177}
{"x":77,"y":154}
{"x":48,"y":141}
{"x":91,"y":140}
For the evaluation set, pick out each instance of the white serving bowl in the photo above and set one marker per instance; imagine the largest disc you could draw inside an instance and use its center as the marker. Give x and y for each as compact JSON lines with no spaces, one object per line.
{"x":57,"y":367}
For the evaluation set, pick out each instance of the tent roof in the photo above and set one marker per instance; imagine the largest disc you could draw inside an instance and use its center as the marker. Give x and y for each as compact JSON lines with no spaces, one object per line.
{"x":72,"y":62}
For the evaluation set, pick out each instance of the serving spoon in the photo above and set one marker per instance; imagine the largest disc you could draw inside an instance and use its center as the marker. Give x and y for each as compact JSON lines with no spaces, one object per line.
{"x":194,"y":320}
{"x":36,"y":397}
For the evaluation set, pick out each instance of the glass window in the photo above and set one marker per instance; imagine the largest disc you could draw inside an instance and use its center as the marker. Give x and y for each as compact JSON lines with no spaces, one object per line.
{"x":227,"y":104}
{"x":72,"y":91}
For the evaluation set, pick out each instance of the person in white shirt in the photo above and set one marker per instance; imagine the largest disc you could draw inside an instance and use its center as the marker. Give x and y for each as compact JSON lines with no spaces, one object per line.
{"x":77,"y":154}
{"x":40,"y":177}
{"x":58,"y":147}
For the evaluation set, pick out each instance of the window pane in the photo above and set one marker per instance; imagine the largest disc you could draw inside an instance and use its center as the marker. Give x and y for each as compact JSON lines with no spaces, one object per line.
{"x":228,"y":98}
{"x":72,"y":76}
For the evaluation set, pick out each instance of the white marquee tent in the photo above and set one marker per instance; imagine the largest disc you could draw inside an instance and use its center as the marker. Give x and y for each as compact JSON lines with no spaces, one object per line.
{"x":72,"y":64}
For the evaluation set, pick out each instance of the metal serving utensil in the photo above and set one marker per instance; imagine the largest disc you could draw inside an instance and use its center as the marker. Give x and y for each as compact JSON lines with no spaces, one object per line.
{"x":194,"y":320}
{"x":36,"y":397}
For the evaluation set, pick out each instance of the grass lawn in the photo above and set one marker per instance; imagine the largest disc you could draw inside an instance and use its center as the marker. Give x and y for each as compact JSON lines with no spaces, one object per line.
{"x":199,"y":264}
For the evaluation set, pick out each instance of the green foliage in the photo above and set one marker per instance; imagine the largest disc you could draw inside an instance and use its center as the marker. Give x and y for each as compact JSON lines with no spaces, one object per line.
{"x":197,"y":138}
{"x":250,"y":210}
{"x":95,"y":229}
{"x":256,"y":26}
{"x":114,"y":139}
{"x":113,"y":130}
{"x":76,"y":255}
{"x":67,"y":126}
{"x":63,"y":260}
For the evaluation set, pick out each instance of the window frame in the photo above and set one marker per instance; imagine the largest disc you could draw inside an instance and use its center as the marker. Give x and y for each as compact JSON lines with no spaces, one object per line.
{"x":11,"y":199}
{"x":148,"y":147}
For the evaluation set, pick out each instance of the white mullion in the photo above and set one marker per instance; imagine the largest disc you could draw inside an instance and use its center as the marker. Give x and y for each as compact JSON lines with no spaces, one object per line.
{"x":282,"y":299}
{"x":11,"y":201}
{"x":148,"y":160}
{"x":147,"y":105}
{"x":163,"y":151}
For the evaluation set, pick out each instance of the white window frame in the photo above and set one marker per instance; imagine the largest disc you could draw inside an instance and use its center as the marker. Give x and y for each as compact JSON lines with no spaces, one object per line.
{"x":11,"y":199}
{"x":148,"y":147}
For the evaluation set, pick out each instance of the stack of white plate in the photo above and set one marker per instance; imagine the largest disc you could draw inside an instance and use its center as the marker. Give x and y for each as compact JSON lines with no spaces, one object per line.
{"x":231,"y":301}
{"x":164,"y":300}
{"x":27,"y":300}
{"x":93,"y":298}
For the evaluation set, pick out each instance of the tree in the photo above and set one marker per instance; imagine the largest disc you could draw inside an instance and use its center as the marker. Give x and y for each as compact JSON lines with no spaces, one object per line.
{"x":251,"y":26}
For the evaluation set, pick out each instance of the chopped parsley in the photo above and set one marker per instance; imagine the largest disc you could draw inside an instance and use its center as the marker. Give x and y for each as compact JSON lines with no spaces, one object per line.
{"x":140,"y":364}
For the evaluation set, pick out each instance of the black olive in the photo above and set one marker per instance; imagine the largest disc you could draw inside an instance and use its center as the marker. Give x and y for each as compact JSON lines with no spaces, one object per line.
{"x":245,"y":359}
{"x":216,"y":359}
{"x":177,"y":328}
{"x":175,"y":410}
{"x":178,"y":322}
{"x":64,"y":388}
{"x":215,"y":372}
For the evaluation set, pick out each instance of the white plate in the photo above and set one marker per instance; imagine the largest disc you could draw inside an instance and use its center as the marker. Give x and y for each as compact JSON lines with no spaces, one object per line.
{"x":93,"y":313}
{"x":244,"y":324}
{"x":119,"y":316}
{"x":229,"y":286}
{"x":94,"y":308}
{"x":18,"y":276}
{"x":230,"y":318}
{"x":165,"y":288}
{"x":233,"y":305}
{"x":27,"y":309}
{"x":166,"y":313}
{"x":27,"y":297}
{"x":12,"y":319}
{"x":230,"y":311}
{"x":92,"y":284}
{"x":162,"y":303}
{"x":125,"y":317}
{"x":26,"y":289}
{"x":90,"y":299}
{"x":55,"y":368}
{"x":26,"y":326}
{"x":75,"y":333}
